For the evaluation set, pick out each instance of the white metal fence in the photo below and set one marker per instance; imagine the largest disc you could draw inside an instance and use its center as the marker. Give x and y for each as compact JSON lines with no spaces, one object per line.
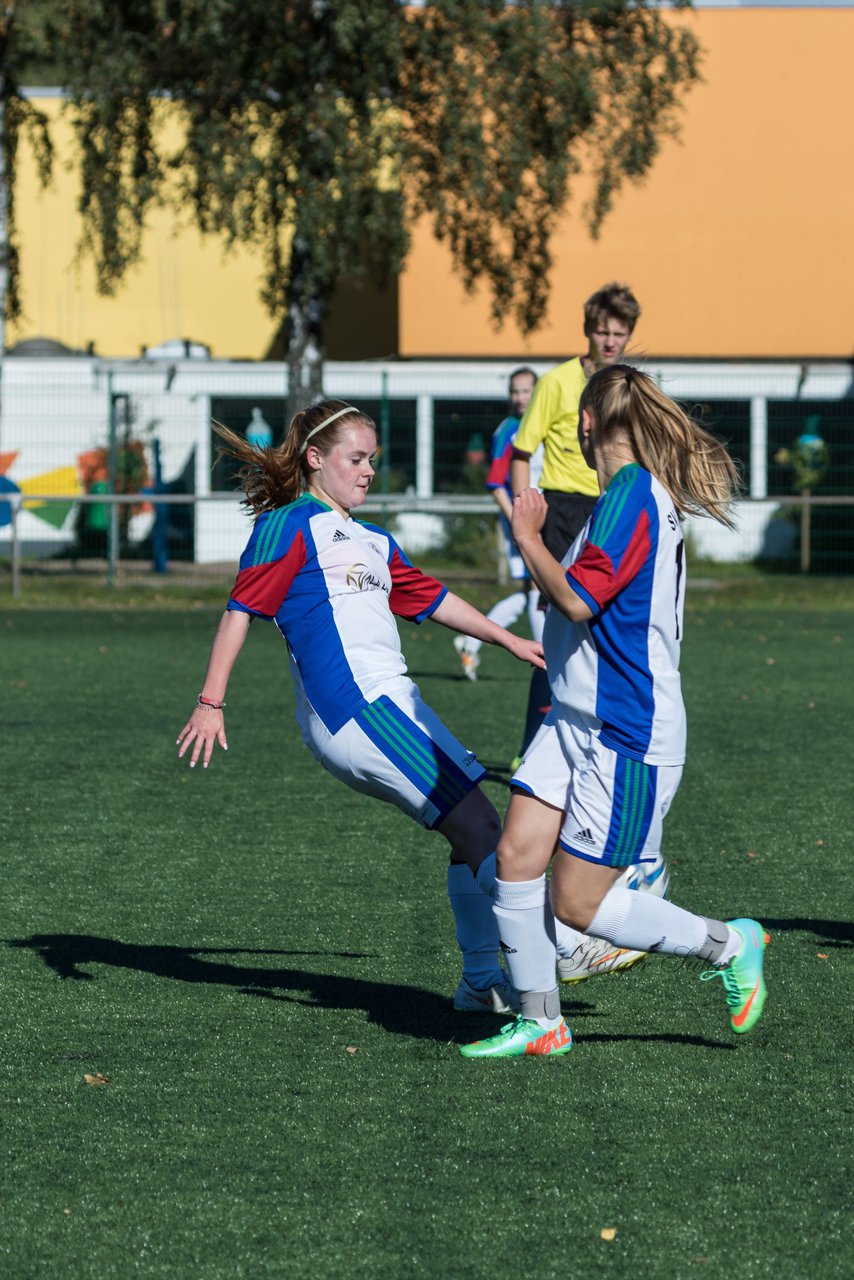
{"x":70,"y":427}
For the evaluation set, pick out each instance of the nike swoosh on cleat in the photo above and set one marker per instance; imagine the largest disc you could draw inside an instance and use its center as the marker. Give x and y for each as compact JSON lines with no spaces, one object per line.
{"x":741,"y":1016}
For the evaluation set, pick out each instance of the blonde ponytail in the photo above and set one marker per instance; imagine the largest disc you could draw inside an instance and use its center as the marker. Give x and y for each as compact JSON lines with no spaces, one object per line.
{"x":692,"y":464}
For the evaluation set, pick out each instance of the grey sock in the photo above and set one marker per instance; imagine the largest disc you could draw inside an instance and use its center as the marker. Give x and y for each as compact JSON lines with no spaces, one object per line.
{"x":717,"y":939}
{"x":539,"y":1004}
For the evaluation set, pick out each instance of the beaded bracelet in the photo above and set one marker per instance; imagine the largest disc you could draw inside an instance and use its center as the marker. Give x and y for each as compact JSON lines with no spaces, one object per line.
{"x":206,"y":702}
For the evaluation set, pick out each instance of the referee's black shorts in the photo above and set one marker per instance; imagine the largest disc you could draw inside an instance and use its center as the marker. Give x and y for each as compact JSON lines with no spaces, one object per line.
{"x":566,"y":517}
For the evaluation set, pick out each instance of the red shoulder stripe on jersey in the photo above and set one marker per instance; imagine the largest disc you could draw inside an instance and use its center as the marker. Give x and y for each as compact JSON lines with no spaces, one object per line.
{"x":263,"y":587}
{"x":594,"y":572}
{"x":594,"y":569}
{"x":411,"y":590}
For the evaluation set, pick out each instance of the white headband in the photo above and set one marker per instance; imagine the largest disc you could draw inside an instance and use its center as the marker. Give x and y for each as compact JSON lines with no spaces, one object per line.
{"x":323,"y":424}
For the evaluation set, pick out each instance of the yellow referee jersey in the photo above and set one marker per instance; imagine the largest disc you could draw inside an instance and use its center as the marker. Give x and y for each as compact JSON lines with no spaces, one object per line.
{"x":551,"y":419}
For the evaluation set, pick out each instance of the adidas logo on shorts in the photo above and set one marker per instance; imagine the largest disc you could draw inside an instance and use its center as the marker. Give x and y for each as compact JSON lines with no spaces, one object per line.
{"x":338,"y":536}
{"x":585,"y":836}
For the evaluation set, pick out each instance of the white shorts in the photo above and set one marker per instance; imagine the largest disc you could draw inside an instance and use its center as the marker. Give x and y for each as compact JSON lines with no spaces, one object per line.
{"x":614,"y":806}
{"x":397,"y":749}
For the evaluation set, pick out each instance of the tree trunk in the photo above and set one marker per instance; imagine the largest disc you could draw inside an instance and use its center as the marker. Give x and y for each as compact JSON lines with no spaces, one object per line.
{"x":307,"y":308}
{"x":4,"y":228}
{"x":4,"y":241}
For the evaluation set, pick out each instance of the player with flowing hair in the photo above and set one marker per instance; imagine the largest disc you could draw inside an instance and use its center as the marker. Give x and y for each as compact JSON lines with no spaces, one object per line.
{"x":333,"y":588}
{"x":600,"y":776}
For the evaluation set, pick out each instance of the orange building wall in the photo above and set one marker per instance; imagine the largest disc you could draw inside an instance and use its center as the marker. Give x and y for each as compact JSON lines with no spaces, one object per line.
{"x":740,"y":241}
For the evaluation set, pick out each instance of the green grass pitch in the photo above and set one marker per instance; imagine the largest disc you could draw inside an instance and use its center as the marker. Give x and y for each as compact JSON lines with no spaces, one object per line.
{"x":261,"y":964}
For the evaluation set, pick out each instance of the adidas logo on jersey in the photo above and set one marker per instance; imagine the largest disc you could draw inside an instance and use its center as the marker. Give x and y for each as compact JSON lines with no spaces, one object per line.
{"x":585,"y":836}
{"x":338,"y":536}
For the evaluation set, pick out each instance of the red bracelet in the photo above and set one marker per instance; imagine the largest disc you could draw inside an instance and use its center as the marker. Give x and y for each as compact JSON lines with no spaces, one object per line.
{"x":206,"y":702}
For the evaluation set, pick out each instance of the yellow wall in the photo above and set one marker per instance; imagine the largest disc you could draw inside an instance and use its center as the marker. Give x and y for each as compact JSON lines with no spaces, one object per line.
{"x":186,"y":287}
{"x":741,"y":241}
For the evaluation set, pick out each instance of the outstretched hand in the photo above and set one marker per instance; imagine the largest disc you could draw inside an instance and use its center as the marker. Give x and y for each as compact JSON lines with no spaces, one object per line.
{"x":529,"y":651}
{"x":205,"y":727}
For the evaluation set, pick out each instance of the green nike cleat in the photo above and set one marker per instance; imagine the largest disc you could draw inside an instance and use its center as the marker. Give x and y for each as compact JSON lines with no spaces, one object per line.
{"x":521,"y":1038}
{"x":742,"y":977}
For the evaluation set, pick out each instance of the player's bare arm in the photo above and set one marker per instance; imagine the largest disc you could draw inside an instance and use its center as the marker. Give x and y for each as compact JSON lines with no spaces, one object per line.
{"x":207,"y":723}
{"x":502,"y":501}
{"x":520,"y":471}
{"x":459,"y":615}
{"x":529,"y":514}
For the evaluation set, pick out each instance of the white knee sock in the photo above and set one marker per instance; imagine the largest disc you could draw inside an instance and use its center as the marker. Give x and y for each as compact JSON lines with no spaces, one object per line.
{"x":642,"y":922}
{"x":477,"y":930}
{"x":526,"y":928}
{"x":536,"y":615}
{"x":567,"y":940}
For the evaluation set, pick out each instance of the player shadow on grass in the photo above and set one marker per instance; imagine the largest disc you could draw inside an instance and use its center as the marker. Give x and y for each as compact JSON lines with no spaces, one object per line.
{"x":401,"y":1010}
{"x":831,"y":933}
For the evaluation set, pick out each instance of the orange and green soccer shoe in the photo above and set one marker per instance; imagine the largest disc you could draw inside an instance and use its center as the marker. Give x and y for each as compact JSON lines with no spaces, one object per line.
{"x":522,"y":1038}
{"x":744,"y":983}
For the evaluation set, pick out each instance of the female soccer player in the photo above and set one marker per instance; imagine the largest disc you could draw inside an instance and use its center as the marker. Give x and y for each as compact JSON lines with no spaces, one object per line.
{"x":333,"y":586}
{"x":601,"y":774}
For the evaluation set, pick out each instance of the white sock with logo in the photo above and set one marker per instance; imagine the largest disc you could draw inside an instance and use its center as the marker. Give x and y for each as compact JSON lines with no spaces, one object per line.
{"x":642,"y":922}
{"x":567,"y":940}
{"x":477,"y":930}
{"x":526,"y":928}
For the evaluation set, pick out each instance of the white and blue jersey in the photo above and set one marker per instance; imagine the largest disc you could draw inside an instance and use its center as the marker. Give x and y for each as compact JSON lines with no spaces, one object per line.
{"x":622,"y":666}
{"x":332,"y":586}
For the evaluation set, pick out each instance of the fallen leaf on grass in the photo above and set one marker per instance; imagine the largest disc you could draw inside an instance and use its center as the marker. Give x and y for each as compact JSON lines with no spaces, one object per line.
{"x":608,"y":1233}
{"x":822,"y":955}
{"x":351,"y":1048}
{"x":95,"y":1078}
{"x":751,"y":853}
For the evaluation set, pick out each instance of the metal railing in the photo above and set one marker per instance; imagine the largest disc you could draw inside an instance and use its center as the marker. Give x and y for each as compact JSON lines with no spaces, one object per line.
{"x":385,"y":505}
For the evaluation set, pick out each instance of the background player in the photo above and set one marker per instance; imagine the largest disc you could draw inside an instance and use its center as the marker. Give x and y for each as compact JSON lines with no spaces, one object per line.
{"x":602,"y":772}
{"x":333,"y":587}
{"x":506,"y":611}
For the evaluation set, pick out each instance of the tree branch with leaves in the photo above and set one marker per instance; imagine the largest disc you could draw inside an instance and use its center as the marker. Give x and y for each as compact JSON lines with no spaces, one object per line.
{"x":318,"y":132}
